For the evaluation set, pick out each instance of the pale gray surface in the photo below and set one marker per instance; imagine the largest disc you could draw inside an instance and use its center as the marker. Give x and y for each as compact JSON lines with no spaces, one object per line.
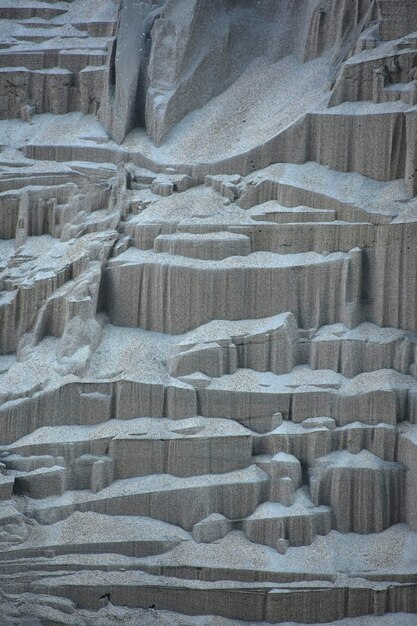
{"x":208,"y":312}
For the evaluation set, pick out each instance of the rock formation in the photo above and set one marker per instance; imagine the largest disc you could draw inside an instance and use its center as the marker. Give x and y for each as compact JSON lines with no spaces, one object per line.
{"x":208,"y":312}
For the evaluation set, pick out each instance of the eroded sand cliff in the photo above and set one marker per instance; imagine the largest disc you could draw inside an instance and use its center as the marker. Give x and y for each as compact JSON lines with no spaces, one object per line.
{"x":208,"y":315}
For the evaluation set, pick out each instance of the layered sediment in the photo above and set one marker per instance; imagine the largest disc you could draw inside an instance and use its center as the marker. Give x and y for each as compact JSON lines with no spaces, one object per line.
{"x":208,"y":312}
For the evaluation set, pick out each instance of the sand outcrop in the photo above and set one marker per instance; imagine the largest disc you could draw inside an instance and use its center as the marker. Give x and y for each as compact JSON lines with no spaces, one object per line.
{"x":208,"y":312}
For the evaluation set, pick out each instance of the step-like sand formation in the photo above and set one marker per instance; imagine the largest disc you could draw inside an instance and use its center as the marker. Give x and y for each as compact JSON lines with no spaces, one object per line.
{"x":208,"y":312}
